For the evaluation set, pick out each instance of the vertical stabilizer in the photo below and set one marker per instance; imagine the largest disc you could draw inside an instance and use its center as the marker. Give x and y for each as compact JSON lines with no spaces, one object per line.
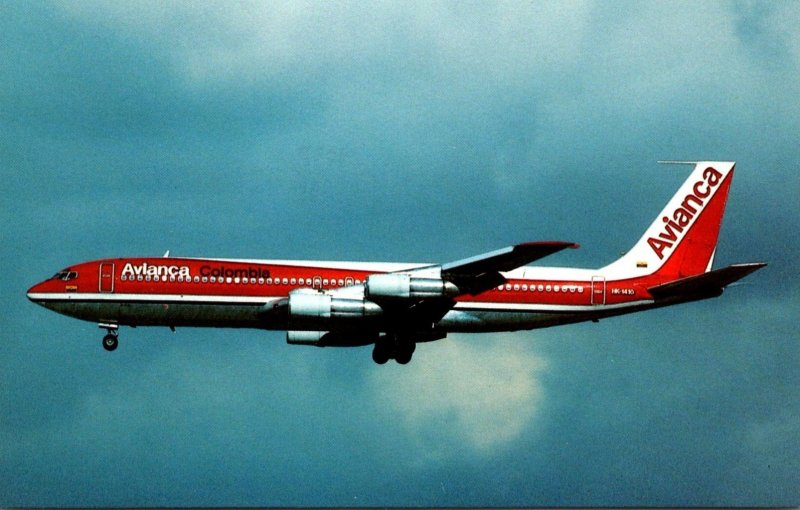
{"x":683,"y":238}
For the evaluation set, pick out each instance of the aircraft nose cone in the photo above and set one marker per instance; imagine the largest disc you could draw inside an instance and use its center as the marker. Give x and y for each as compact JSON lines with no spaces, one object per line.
{"x":34,"y":292}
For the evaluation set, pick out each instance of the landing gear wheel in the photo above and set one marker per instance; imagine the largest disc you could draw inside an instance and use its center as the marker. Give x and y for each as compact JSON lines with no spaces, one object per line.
{"x":404,"y":353}
{"x":110,"y":342}
{"x":380,"y":355}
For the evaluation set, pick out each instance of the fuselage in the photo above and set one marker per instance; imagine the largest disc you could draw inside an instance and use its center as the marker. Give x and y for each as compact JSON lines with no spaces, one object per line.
{"x":242,"y":293}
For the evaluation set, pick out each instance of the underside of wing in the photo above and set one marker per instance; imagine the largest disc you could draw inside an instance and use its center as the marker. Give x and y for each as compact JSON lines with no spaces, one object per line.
{"x":482,"y":272}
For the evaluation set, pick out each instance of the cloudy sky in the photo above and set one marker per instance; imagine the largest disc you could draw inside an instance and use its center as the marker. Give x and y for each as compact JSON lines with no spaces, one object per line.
{"x":398,"y":131}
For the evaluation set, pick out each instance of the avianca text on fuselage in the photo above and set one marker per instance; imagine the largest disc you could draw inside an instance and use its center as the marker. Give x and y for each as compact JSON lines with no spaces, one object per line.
{"x":131,"y":271}
{"x":682,"y":216}
{"x":166,"y":271}
{"x":393,"y":307}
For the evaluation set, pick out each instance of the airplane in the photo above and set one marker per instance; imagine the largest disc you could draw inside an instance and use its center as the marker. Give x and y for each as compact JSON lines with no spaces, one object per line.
{"x":394,"y":306}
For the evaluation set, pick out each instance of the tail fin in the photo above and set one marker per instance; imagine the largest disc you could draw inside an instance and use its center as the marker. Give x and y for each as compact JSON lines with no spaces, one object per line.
{"x":682,"y":240}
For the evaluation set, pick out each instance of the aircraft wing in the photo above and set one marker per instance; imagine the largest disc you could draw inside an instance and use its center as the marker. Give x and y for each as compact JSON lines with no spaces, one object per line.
{"x":706,"y":284}
{"x":415,"y":302}
{"x":482,"y":272}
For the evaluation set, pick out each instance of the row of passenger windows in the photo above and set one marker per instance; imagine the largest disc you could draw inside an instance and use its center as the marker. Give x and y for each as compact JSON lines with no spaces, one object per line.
{"x":541,"y":288}
{"x":325,"y":282}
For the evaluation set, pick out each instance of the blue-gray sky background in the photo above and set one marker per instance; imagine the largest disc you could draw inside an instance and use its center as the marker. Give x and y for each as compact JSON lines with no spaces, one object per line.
{"x":399,"y":131}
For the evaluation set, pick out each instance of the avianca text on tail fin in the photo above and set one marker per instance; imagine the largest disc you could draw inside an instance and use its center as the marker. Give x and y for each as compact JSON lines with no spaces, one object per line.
{"x":395,"y":306}
{"x":682,"y":239}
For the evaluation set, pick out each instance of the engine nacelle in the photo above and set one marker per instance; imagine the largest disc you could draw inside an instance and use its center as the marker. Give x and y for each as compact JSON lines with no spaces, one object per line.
{"x":312,"y":309}
{"x":402,"y":286}
{"x":332,"y":339}
{"x":305,"y":337}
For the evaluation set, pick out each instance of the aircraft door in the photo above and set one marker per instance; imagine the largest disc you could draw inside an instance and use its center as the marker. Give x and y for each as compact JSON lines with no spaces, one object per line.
{"x":598,"y":290}
{"x":106,"y":277}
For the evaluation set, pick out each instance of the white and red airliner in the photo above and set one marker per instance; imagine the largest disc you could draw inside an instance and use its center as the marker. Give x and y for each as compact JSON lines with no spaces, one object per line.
{"x":394,"y":306}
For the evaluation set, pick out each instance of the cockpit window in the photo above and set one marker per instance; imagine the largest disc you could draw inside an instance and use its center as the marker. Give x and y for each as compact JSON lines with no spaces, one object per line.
{"x":65,"y":275}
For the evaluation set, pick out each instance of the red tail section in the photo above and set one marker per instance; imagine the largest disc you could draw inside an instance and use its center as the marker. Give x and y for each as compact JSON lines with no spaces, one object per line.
{"x":682,"y":240}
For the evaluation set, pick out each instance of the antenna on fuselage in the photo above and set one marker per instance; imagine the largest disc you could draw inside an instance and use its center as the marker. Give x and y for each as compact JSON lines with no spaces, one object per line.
{"x":166,"y":254}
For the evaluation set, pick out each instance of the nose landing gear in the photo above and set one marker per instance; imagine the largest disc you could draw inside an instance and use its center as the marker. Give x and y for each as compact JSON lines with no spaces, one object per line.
{"x":111,"y":340}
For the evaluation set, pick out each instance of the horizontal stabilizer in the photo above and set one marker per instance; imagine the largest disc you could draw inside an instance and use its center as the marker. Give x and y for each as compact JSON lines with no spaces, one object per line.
{"x":710,"y":283}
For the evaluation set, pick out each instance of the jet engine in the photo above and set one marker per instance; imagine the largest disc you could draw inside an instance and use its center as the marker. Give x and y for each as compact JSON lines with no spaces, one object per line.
{"x":312,"y":309}
{"x":394,"y":286}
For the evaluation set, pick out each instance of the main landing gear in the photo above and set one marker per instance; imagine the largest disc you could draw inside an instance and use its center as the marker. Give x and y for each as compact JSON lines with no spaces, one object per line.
{"x":393,"y":346}
{"x":111,"y":340}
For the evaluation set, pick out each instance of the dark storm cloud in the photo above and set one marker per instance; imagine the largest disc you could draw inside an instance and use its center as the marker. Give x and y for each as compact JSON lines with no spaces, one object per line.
{"x":396,"y":132}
